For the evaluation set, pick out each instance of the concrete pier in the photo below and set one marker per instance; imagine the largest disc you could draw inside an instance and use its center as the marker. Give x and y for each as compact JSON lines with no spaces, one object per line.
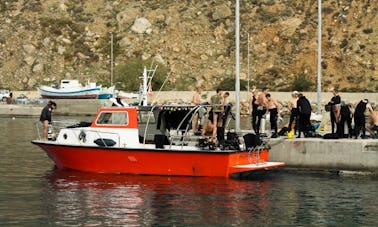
{"x":325,"y":154}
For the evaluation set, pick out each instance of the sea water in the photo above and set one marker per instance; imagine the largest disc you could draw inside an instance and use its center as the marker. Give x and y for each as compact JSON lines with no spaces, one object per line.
{"x":34,"y":193}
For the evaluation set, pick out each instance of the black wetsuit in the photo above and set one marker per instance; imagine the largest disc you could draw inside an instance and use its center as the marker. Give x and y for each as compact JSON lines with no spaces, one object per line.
{"x":294,"y":115}
{"x":273,"y":120}
{"x":334,"y":101}
{"x":359,"y":119}
{"x":345,"y":116}
{"x":254,"y":114}
{"x":304,"y":109}
{"x":260,"y":114}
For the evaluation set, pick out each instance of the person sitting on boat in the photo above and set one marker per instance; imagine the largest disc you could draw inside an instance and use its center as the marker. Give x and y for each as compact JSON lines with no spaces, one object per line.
{"x":208,"y":128}
{"x":45,"y":117}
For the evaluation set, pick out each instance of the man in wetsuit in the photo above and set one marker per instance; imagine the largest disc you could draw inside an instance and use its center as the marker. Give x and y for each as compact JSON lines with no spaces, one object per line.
{"x":359,"y":118}
{"x":304,"y":109}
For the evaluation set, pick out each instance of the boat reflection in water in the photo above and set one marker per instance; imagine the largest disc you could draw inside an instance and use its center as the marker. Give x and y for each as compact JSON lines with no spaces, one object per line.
{"x":117,"y":199}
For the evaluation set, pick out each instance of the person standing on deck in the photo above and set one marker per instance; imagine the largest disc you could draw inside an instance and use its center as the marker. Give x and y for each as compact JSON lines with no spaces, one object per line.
{"x":196,"y":100}
{"x":217,"y":100}
{"x":45,"y":117}
{"x":252,"y":107}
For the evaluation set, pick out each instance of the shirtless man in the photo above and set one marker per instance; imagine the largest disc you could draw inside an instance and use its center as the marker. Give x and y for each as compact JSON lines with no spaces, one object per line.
{"x":262,"y":107}
{"x":292,"y":105}
{"x":274,"y":110}
{"x":373,"y":129}
{"x":196,"y":100}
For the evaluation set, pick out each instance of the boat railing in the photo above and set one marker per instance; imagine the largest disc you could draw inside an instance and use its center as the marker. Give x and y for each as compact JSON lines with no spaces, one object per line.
{"x":254,"y":152}
{"x":181,"y":134}
{"x":53,"y":128}
{"x":185,"y":134}
{"x":79,"y":132}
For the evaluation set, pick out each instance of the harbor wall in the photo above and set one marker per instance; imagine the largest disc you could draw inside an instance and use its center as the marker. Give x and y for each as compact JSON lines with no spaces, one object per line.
{"x":327,"y":154}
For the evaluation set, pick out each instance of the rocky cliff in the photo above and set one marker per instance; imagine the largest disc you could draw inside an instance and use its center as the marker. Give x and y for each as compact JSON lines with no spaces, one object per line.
{"x":43,"y":41}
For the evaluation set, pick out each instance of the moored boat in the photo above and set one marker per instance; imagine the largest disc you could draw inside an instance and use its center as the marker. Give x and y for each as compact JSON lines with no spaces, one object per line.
{"x":106,"y":92}
{"x":153,"y":140}
{"x":70,"y":89}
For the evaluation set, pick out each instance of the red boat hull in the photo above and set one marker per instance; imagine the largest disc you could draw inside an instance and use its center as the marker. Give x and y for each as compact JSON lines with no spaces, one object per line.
{"x":157,"y":161}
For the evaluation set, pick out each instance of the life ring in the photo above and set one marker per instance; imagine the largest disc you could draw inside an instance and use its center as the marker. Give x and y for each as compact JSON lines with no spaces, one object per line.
{"x":83,"y":136}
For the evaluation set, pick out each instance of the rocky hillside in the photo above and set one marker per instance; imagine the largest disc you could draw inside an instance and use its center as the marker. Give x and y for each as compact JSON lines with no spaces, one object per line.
{"x":43,"y":41}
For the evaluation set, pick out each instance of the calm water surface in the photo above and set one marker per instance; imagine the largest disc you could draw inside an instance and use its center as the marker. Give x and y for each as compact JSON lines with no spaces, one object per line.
{"x":33,"y":193}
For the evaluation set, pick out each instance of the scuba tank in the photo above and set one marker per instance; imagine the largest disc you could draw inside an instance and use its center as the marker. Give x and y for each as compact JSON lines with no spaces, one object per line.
{"x":50,"y":132}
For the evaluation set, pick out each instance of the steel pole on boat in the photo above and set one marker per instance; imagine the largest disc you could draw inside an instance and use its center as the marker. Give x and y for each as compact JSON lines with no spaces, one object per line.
{"x":144,"y":98}
{"x":319,"y":81}
{"x":249,"y":78}
{"x":237,"y":68}
{"x":111,"y":59}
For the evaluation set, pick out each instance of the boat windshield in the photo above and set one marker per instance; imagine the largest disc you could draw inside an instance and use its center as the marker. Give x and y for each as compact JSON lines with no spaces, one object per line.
{"x":113,"y":118}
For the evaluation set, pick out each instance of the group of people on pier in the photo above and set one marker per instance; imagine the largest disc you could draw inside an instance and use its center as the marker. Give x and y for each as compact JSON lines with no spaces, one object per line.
{"x":263,"y":103}
{"x":342,"y":114}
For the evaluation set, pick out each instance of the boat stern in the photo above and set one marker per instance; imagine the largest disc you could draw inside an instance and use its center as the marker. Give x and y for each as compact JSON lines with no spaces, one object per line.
{"x":253,"y":160}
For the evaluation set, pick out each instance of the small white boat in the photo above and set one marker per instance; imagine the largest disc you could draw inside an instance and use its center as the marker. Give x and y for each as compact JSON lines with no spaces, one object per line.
{"x":70,"y":89}
{"x":127,"y":95}
{"x":106,"y":93}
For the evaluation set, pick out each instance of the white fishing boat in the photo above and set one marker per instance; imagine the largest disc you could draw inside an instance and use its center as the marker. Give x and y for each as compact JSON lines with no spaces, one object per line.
{"x":127,"y":95}
{"x":106,"y":92}
{"x":70,"y":89}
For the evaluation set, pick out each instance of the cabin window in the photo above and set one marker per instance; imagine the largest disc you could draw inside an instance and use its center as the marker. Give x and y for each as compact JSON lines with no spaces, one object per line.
{"x":113,"y":118}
